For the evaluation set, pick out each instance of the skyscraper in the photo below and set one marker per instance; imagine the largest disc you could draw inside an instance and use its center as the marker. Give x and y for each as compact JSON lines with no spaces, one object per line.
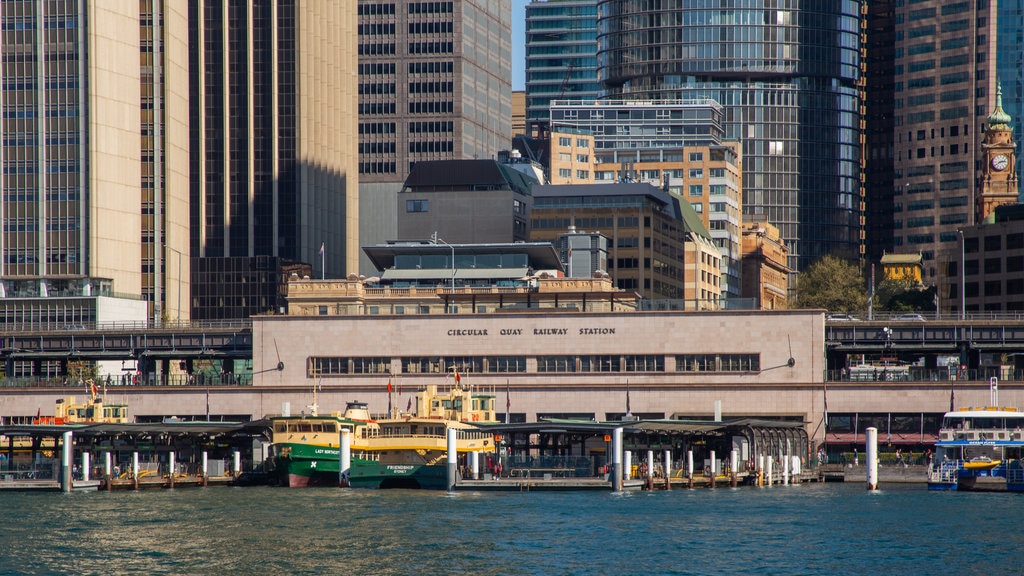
{"x":945,"y":81}
{"x":788,"y":79}
{"x":434,"y":84}
{"x":94,"y":155}
{"x":272,"y":123}
{"x":561,"y":55}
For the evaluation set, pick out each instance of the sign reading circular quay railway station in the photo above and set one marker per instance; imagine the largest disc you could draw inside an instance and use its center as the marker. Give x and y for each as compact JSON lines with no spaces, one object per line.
{"x":604,"y":331}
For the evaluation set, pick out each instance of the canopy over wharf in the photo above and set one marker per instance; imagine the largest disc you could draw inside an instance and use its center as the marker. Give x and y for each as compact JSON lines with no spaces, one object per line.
{"x":556,"y":438}
{"x":187,"y":439}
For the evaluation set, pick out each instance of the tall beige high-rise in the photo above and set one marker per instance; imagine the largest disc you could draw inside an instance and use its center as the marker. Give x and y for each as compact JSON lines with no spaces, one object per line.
{"x":95,"y":160}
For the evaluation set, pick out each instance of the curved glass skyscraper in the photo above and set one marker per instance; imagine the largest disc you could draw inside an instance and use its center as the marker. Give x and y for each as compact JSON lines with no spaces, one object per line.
{"x":787,"y":73}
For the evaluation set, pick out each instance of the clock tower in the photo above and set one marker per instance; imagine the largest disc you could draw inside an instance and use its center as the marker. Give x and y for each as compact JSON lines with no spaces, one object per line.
{"x":999,"y":175}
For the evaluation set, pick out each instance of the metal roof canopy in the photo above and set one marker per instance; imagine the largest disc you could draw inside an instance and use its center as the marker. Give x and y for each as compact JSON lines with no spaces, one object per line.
{"x":549,"y":426}
{"x":182,"y":428}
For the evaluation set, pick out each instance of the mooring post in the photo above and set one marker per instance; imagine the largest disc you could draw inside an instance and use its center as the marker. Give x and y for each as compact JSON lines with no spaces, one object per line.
{"x":172,"y":466}
{"x":204,"y":468}
{"x":617,"y":460}
{"x":689,"y":468}
{"x":345,"y":458}
{"x":452,"y":458}
{"x":135,"y":470}
{"x":85,"y":465}
{"x":668,"y":469}
{"x":871,"y":451}
{"x":66,"y":458}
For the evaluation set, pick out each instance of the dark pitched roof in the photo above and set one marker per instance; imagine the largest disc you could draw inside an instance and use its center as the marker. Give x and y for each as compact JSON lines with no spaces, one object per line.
{"x":442,"y":175}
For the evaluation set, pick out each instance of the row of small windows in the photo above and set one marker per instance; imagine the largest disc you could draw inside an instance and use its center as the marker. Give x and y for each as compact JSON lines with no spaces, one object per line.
{"x":377,"y":29}
{"x":431,"y":146}
{"x":60,"y":224}
{"x":431,"y":67}
{"x":376,"y":127}
{"x":376,"y":49}
{"x":429,"y":48}
{"x":431,"y":7}
{"x":376,"y":68}
{"x":429,"y":28}
{"x":377,"y":108}
{"x":317,"y":366}
{"x":377,"y":88}
{"x":430,"y":87}
{"x":421,"y":127}
{"x":376,"y":147}
{"x":432,"y":107}
{"x":376,"y":167}
{"x":373,"y":9}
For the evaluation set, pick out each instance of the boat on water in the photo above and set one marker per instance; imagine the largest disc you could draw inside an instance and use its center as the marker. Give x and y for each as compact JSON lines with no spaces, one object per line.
{"x":94,"y":410}
{"x":411,"y":449}
{"x":979,"y":448}
{"x":305,"y":448}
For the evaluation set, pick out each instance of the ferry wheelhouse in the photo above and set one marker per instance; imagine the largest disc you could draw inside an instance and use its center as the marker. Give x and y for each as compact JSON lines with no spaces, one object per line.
{"x":979,"y":448}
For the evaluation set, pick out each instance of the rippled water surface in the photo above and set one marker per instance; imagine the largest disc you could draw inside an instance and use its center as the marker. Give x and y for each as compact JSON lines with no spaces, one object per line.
{"x":810,"y":529}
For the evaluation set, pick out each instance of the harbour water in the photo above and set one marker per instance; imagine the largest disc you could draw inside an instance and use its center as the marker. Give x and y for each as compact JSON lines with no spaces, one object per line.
{"x":786,"y":530}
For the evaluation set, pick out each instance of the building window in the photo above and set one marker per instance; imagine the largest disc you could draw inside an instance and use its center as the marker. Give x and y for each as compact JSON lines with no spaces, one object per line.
{"x":696,"y":190}
{"x":718,"y":363}
{"x":417,"y":206}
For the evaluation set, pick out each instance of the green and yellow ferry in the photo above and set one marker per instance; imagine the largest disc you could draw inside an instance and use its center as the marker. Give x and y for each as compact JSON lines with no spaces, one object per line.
{"x":411,"y":450}
{"x":305,"y":448}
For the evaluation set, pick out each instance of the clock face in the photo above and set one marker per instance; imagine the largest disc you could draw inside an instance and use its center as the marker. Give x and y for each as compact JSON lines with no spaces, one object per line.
{"x":1000,"y":162}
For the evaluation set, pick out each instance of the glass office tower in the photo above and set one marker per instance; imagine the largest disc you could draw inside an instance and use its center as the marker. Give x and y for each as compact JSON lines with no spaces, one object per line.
{"x":561,"y":55}
{"x":787,"y":75}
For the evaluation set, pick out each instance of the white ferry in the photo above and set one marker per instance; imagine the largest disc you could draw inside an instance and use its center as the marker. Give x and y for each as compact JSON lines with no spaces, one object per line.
{"x":979,"y":448}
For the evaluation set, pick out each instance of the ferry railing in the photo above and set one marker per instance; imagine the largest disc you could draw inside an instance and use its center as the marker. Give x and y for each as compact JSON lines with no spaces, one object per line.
{"x":915,"y":374}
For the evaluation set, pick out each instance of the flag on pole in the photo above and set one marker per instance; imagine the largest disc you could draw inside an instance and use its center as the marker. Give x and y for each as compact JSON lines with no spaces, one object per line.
{"x":508,"y":402}
{"x":408,"y":405}
{"x":322,"y":248}
{"x":389,"y":385}
{"x":458,"y":378}
{"x":389,"y":397}
{"x":628,"y":411}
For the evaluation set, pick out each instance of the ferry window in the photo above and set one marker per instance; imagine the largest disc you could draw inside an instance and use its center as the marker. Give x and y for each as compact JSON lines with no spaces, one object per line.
{"x":280,"y":427}
{"x":305,"y":427}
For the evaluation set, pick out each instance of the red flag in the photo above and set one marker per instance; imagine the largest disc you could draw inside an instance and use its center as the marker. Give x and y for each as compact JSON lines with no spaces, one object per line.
{"x":95,"y":389}
{"x":389,"y":385}
{"x":457,"y":377}
{"x":408,"y":405}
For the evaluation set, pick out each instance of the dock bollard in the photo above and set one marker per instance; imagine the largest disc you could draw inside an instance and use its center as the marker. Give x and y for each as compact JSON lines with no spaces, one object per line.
{"x":66,"y":458}
{"x":871,"y":452}
{"x":135,"y":470}
{"x":668,"y":469}
{"x":452,"y":458}
{"x":345,"y":455}
{"x":689,"y":469}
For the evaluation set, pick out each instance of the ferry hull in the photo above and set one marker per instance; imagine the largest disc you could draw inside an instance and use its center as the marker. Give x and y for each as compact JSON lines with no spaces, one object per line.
{"x":307,"y":466}
{"x":370,"y":474}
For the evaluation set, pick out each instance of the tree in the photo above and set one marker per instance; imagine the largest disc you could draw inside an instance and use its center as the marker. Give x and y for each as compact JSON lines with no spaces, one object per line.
{"x":904,"y":296}
{"x":833,"y":284}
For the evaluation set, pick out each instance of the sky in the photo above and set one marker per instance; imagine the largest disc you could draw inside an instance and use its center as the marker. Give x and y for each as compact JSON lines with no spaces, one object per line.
{"x":518,"y":44}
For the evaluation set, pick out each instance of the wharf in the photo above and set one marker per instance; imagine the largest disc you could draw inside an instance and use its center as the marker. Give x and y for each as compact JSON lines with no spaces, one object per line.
{"x":32,"y":485}
{"x":144,"y":483}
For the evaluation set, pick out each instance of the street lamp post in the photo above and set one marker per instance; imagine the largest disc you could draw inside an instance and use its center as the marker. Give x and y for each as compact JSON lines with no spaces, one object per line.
{"x":179,"y":280}
{"x":437,"y":239}
{"x":963,"y":274}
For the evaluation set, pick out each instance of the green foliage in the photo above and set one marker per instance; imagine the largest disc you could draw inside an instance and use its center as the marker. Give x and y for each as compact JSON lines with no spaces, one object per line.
{"x":904,"y":296}
{"x":833,"y":284}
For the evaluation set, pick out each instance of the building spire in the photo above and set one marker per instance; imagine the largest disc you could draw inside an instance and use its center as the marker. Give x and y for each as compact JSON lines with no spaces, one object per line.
{"x":999,"y":119}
